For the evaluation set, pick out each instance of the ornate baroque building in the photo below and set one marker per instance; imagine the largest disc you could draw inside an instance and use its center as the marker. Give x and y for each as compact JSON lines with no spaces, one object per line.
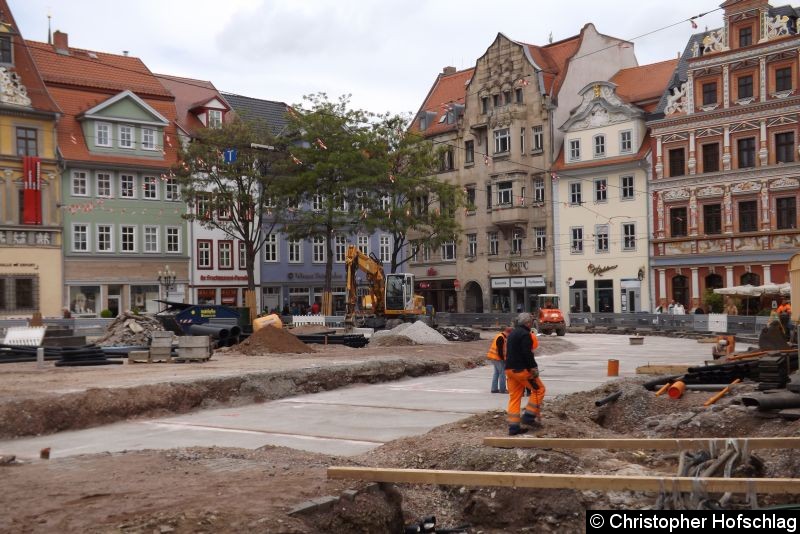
{"x":499,"y":121}
{"x":725,"y":186}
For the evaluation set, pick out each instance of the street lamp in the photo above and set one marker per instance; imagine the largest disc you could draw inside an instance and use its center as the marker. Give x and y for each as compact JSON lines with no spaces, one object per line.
{"x":167,"y":280}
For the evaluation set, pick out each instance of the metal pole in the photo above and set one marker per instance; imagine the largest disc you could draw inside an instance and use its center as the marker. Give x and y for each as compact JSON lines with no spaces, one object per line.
{"x":40,"y":357}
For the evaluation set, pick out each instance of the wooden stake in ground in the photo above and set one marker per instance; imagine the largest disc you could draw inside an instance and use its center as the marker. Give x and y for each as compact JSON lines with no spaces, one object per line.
{"x":567,"y":481}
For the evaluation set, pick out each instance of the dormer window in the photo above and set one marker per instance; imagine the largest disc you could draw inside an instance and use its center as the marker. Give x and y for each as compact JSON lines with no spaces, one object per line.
{"x":148,"y":139}
{"x":125,"y":136}
{"x":214,"y":118}
{"x":5,"y":50}
{"x":102,"y":134}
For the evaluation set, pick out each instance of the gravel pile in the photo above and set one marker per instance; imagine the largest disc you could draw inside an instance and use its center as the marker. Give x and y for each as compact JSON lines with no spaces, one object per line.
{"x":417,"y":333}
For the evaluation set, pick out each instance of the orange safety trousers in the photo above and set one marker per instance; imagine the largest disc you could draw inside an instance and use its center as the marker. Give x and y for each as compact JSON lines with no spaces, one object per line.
{"x":516,"y":382}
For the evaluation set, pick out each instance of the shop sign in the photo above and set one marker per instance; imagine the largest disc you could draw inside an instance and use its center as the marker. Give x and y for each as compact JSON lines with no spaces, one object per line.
{"x":500,"y":282}
{"x":517,"y":282}
{"x":311,"y":276}
{"x":598,"y":270}
{"x":33,"y":266}
{"x":222,"y":278}
{"x":630,"y":284}
{"x":535,"y":281}
{"x":516,"y":267}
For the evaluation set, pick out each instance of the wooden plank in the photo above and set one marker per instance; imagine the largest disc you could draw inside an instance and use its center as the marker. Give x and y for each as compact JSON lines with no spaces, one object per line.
{"x":661,"y":444}
{"x":566,"y":481}
{"x":663,"y":369}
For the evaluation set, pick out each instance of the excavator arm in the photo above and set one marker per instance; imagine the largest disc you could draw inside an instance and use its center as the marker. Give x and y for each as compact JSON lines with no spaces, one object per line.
{"x":355,"y":261}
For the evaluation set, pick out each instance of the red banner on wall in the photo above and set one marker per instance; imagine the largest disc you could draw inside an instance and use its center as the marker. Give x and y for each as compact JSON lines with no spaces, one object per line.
{"x":32,"y":190}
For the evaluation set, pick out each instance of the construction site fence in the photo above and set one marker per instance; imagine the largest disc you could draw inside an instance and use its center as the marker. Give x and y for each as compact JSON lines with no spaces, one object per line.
{"x":80,"y":326}
{"x":713,"y":323}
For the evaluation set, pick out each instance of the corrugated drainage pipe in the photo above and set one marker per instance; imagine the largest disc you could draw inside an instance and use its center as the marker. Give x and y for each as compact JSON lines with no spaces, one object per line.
{"x":772,"y":401}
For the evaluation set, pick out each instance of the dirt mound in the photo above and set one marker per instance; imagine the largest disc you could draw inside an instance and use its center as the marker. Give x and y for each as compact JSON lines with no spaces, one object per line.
{"x":274,"y":341}
{"x":129,"y":329}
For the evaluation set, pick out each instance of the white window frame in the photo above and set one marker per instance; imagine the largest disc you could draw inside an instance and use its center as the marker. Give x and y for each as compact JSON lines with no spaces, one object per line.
{"x":109,"y":233}
{"x":225,"y":252}
{"x":122,"y":189}
{"x":426,"y":253}
{"x":386,"y":202}
{"x":109,"y":182}
{"x":126,"y":134}
{"x":599,"y":146}
{"x":295,"y":248}
{"x":574,"y":149}
{"x":80,"y":184}
{"x":147,"y":181}
{"x":385,"y":249}
{"x":472,"y":245}
{"x":363,"y":244}
{"x":623,"y":187}
{"x":145,"y":236}
{"x":505,"y":195}
{"x":516,"y":243}
{"x":626,"y":237}
{"x":576,"y":240}
{"x":317,"y":202}
{"x":148,"y":138}
{"x":449,"y":251}
{"x":494,"y":243}
{"x":205,"y":247}
{"x":99,"y":127}
{"x":600,"y":190}
{"x":537,"y":141}
{"x":601,"y":239}
{"x":176,"y":233}
{"x":318,"y":250}
{"x":172,"y":190}
{"x":271,"y":249}
{"x":626,"y":145}
{"x":214,"y":118}
{"x":502,"y":141}
{"x":575,"y":193}
{"x":540,"y":238}
{"x":339,"y":248}
{"x":122,"y":229}
{"x":86,"y":239}
{"x":242,"y":255}
{"x":538,"y":190}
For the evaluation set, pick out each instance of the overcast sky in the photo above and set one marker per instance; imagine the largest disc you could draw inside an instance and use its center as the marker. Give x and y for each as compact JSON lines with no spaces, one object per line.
{"x":386,"y":53}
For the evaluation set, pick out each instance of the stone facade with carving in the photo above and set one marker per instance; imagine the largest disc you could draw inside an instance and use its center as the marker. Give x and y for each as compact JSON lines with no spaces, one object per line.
{"x":725,"y":187}
{"x":501,"y":118}
{"x":30,"y":221}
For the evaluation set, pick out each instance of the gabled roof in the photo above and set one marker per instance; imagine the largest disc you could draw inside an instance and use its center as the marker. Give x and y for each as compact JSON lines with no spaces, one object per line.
{"x":189,"y":94}
{"x":95,"y":70}
{"x":255,"y":109}
{"x":448,"y":89}
{"x":121,"y":96}
{"x":552,"y":59}
{"x":24,"y":66}
{"x":644,"y":85}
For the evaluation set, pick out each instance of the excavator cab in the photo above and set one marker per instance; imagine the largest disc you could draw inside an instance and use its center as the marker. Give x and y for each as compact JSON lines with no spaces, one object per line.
{"x":399,"y":292}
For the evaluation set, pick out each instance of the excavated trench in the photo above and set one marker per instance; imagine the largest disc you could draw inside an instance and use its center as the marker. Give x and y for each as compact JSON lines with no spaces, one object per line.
{"x":100,"y":406}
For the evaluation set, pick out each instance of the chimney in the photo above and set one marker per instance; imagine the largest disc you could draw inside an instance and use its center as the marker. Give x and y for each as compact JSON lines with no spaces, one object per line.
{"x":448,"y":70}
{"x":61,"y":40}
{"x":125,"y":53}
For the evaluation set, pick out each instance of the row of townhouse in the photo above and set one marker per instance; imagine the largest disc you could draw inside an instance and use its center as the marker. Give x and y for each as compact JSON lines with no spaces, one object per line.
{"x":619,"y":187}
{"x":90,"y":219}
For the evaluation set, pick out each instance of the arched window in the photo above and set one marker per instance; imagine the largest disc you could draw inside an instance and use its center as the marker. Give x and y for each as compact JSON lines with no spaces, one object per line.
{"x":680,"y":289}
{"x":714,"y":281}
{"x":750,"y":279}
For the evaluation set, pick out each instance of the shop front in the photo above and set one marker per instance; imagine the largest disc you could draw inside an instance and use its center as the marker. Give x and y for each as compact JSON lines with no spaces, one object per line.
{"x":30,"y":283}
{"x":517,"y":293}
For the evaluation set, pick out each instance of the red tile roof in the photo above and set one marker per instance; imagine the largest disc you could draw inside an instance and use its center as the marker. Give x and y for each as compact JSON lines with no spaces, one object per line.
{"x":638,"y":85}
{"x":561,"y":165}
{"x":95,"y":70}
{"x":190,"y":94}
{"x":25,"y":67}
{"x":447,"y":89}
{"x":78,"y":82}
{"x":553,"y":59}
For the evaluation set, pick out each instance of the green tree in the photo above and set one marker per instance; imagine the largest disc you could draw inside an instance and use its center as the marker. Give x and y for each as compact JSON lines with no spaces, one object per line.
{"x":413,"y":204}
{"x":330,"y":170}
{"x":237,"y":195}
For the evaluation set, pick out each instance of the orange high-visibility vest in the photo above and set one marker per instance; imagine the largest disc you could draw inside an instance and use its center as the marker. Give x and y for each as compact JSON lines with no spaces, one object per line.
{"x":493,"y":353}
{"x":534,"y":341}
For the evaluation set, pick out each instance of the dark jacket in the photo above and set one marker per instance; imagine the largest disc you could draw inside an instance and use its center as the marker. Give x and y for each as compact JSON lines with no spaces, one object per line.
{"x":519,"y":349}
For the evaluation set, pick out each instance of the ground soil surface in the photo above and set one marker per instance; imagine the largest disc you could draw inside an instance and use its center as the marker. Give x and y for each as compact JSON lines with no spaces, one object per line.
{"x":238,"y":490}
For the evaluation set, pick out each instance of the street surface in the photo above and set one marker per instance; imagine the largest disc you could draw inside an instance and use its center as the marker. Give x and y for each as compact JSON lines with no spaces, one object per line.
{"x":355,"y":419}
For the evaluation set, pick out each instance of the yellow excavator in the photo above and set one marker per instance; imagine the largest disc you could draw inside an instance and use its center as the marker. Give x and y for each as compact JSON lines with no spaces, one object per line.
{"x":390,"y":296}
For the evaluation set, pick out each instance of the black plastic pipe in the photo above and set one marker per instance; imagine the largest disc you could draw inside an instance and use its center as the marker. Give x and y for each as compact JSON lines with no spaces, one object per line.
{"x":610,"y":398}
{"x":217,"y":332}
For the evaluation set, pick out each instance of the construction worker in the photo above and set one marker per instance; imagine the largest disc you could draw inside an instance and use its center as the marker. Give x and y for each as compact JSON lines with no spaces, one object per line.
{"x":785,"y":307}
{"x":497,"y":354}
{"x":523,"y":372}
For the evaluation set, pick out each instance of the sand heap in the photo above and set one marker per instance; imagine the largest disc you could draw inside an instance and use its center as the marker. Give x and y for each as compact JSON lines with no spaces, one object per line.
{"x":129,"y":329}
{"x":417,"y":333}
{"x":271,"y":340}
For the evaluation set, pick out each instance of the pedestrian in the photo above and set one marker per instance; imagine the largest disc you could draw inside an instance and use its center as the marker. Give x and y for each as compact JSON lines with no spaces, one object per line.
{"x":315,"y":308}
{"x":497,"y":355}
{"x":523,"y":372}
{"x":730,"y":307}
